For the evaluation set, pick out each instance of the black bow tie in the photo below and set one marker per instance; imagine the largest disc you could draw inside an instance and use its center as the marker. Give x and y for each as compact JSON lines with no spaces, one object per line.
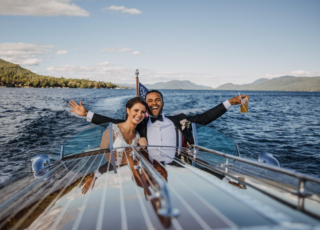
{"x":159,"y":118}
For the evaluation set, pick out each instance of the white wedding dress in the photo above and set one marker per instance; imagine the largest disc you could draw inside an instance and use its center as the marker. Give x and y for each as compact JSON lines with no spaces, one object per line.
{"x":119,"y":142}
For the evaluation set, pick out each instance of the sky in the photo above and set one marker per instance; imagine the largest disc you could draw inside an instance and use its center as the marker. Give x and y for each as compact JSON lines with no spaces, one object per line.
{"x":206,"y":42}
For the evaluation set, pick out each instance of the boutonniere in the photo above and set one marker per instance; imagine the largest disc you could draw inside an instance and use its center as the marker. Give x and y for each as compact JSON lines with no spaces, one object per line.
{"x":185,"y":124}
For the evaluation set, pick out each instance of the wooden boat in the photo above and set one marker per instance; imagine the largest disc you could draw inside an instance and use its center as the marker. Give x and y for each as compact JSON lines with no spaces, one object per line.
{"x":206,"y":186}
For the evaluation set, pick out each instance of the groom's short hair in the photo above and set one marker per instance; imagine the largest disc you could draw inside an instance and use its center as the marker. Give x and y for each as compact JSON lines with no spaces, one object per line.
{"x":155,"y":91}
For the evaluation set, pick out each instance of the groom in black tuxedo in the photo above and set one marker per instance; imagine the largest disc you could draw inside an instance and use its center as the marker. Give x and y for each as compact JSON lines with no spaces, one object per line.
{"x":159,"y":129}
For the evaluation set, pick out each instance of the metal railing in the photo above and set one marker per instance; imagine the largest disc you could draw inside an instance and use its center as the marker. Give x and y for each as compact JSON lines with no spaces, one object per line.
{"x":168,"y":211}
{"x":300,"y":192}
{"x":112,"y":151}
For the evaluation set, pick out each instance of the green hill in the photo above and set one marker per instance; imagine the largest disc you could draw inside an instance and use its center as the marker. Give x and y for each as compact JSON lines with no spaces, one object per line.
{"x":12,"y":75}
{"x":285,"y":83}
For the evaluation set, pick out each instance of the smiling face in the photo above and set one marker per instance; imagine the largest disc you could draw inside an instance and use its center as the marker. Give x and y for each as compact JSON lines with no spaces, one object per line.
{"x":155,"y":103}
{"x":136,"y":113}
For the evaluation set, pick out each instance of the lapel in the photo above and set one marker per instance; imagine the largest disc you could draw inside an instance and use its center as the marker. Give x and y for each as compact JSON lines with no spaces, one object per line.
{"x":186,"y":132}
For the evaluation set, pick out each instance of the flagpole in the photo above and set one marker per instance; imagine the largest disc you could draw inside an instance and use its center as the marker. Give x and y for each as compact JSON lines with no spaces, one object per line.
{"x":137,"y":82}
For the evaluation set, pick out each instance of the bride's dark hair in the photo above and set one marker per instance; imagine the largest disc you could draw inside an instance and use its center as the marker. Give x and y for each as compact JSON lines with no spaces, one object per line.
{"x":134,"y":101}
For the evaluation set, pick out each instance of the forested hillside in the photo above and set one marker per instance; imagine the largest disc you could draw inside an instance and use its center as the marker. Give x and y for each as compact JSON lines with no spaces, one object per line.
{"x":285,"y":83}
{"x":13,"y":75}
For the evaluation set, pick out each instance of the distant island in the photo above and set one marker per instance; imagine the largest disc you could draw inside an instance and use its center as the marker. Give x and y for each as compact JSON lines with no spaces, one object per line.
{"x":12,"y":75}
{"x":284,"y":83}
{"x":174,"y":84}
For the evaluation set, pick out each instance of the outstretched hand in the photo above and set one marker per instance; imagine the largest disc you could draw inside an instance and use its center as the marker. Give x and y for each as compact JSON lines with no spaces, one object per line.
{"x":89,"y":183}
{"x":77,"y":109}
{"x":236,"y":100}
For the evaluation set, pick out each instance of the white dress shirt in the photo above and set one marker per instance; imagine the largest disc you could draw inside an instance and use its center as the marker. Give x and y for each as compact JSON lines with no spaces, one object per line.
{"x":161,"y":133}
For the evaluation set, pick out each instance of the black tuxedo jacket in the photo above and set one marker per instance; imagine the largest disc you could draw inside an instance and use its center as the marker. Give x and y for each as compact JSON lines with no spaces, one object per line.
{"x":202,"y":119}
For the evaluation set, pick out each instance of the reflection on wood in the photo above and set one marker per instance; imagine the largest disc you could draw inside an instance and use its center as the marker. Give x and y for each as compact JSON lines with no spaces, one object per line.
{"x":40,"y":209}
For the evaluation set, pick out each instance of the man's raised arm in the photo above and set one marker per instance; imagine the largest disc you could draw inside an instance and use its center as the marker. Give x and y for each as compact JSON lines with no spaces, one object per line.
{"x":214,"y":113}
{"x":91,"y":117}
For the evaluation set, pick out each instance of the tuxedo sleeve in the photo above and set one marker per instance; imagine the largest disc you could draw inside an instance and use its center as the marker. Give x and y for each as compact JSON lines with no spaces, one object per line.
{"x":208,"y":116}
{"x":99,"y":119}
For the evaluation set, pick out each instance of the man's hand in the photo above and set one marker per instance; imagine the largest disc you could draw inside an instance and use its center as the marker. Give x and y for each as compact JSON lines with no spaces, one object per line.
{"x":77,"y":109}
{"x":236,"y":100}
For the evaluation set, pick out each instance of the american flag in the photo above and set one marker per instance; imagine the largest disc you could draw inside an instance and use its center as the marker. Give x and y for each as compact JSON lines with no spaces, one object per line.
{"x":142,"y":93}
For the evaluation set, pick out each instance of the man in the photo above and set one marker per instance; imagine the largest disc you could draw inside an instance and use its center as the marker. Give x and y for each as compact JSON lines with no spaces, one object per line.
{"x":161,"y":130}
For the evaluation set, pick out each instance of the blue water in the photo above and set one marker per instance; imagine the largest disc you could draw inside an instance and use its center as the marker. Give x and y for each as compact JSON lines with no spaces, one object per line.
{"x":34,"y":121}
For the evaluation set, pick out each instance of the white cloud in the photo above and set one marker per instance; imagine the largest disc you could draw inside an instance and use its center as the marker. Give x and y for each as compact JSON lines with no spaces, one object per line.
{"x":97,"y":72}
{"x":116,"y":50}
{"x":41,"y":8}
{"x":22,"y":53}
{"x":59,"y":52}
{"x":122,"y":9}
{"x":103,"y":63}
{"x":126,"y":75}
{"x":136,"y":53}
{"x":31,"y":61}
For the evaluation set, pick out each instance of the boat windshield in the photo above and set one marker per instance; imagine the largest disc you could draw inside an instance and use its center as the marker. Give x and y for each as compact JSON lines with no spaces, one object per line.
{"x":90,"y":139}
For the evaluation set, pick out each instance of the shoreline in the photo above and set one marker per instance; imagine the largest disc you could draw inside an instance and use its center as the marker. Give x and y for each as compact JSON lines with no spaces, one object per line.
{"x":307,"y":91}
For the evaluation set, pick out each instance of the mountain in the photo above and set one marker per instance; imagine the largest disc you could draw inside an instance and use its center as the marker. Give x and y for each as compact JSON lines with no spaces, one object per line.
{"x":174,"y":84}
{"x":7,"y":67}
{"x":284,"y":83}
{"x":260,"y":80}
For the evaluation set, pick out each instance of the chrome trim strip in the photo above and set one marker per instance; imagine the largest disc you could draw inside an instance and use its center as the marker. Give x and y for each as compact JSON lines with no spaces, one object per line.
{"x":195,"y":139}
{"x":56,"y":223}
{"x":84,"y":154}
{"x":168,"y":211}
{"x":111,"y":147}
{"x":103,"y":200}
{"x":62,"y":190}
{"x":261,"y":208}
{"x":209,"y":206}
{"x":16,"y":196}
{"x":194,"y":132}
{"x":195,"y":215}
{"x":124,"y":224}
{"x":34,"y":207}
{"x":273,"y":168}
{"x":84,"y":204}
{"x":142,"y":206}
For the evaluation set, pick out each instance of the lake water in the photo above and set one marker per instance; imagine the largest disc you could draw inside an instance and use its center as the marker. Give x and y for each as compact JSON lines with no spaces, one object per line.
{"x":34,"y":121}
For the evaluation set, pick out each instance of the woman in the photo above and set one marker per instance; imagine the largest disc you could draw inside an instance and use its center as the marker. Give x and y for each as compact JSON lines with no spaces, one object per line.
{"x":125,"y":134}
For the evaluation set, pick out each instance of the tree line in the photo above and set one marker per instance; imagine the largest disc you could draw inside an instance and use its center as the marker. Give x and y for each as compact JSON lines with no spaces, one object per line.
{"x":10,"y":79}
{"x":12,"y":75}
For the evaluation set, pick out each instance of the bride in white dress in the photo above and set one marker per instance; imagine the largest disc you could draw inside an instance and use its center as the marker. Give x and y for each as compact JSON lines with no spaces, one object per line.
{"x":125,"y":134}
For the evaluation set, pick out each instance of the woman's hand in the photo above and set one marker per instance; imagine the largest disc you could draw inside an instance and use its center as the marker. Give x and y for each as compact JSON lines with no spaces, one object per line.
{"x":142,"y":141}
{"x":87,"y":185}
